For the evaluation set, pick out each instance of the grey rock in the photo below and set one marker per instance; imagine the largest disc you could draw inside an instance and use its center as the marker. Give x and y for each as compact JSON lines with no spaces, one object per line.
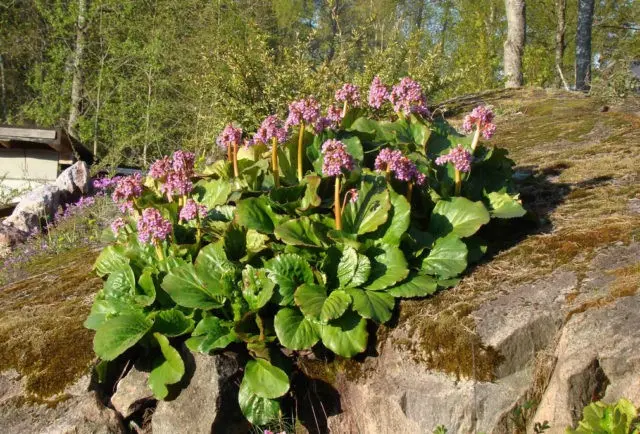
{"x":38,"y":205}
{"x":596,"y":354}
{"x":130,"y":392}
{"x":74,"y":182}
{"x":208,"y":399}
{"x":9,"y":237}
{"x":77,"y":411}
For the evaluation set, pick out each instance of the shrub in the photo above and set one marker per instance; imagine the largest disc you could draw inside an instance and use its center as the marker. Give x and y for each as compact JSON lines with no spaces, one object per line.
{"x":296,"y":241}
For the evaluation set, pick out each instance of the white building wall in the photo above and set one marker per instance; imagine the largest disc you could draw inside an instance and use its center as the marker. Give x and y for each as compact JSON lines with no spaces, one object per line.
{"x":24,"y":169}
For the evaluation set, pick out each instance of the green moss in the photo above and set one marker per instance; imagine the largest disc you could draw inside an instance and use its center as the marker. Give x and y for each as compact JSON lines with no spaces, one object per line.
{"x":41,"y":329}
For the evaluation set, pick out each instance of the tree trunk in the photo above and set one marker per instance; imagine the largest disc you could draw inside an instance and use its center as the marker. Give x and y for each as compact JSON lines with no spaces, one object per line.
{"x":78,"y":79}
{"x":3,"y":93}
{"x":583,"y":44}
{"x":561,"y":9}
{"x":514,"y":45}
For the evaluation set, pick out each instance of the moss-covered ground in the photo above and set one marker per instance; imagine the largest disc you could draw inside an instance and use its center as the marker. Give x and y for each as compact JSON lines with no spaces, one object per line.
{"x":41,"y":332}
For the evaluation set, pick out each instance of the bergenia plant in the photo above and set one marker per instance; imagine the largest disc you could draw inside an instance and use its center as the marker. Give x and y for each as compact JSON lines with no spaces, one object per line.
{"x":479,"y":121}
{"x":272,"y":131}
{"x":302,"y":112}
{"x":229,"y":139}
{"x":216,"y":260}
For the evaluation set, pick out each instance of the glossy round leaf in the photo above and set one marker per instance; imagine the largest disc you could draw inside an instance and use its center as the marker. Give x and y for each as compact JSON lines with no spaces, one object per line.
{"x":257,"y":410}
{"x":415,"y":286}
{"x":265,"y":380}
{"x":458,"y":215}
{"x":448,"y":258}
{"x":294,"y":331}
{"x":375,"y":305}
{"x":168,"y":368}
{"x":118,"y":334}
{"x":346,"y":336}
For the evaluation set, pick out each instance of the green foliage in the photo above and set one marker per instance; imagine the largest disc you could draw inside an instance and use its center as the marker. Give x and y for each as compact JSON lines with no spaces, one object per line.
{"x":266,"y":268}
{"x":601,"y":418}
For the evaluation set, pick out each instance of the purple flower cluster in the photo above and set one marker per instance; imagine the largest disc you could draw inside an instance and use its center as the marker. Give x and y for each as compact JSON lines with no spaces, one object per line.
{"x":336,"y":158}
{"x":191,"y":210}
{"x":407,"y":97}
{"x":349,"y":93}
{"x":152,"y":227}
{"x":116,"y":225}
{"x":174,"y":173}
{"x":482,"y":117}
{"x":271,"y":128}
{"x":105,"y":183}
{"x":229,"y":136}
{"x":307,"y":110}
{"x":402,"y":167}
{"x":127,"y":189}
{"x":331,"y":120}
{"x":378,"y":93}
{"x":459,"y":156}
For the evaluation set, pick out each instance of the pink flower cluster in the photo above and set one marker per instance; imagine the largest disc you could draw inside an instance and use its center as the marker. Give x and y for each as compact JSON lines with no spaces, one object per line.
{"x":378,"y":93}
{"x":349,"y":93}
{"x":174,"y":173}
{"x":229,"y":136}
{"x":481,"y":117}
{"x":307,"y":110}
{"x":331,"y":120}
{"x":152,"y":227}
{"x":352,"y":193}
{"x":336,"y":158}
{"x":402,"y":167}
{"x":191,"y":210}
{"x":407,"y":97}
{"x":271,"y":128}
{"x":127,"y":189}
{"x":459,"y":156}
{"x":116,"y":225}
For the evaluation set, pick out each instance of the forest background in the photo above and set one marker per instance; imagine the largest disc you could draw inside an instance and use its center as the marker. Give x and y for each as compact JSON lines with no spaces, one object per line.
{"x":138,"y":79}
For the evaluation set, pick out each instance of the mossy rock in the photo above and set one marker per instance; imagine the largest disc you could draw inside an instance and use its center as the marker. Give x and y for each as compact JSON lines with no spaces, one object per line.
{"x":41,"y":331}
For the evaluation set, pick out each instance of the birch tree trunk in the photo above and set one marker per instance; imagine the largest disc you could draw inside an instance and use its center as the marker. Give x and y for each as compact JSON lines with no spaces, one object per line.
{"x":78,"y":78}
{"x":561,"y":25}
{"x":514,"y":45}
{"x":583,"y":44}
{"x":3,"y":93}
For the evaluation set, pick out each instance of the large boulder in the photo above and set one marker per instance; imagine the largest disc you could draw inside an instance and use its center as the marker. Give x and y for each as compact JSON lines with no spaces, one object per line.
{"x":132,"y":393}
{"x":74,"y":182}
{"x":9,"y":237}
{"x":207,"y":401}
{"x":37,"y":206}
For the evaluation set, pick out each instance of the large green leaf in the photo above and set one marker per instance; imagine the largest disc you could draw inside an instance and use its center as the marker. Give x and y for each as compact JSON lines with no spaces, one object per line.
{"x":148,"y":287}
{"x":288,"y":271}
{"x":103,"y":309}
{"x":459,"y":216}
{"x":172,"y":322}
{"x":212,"y":260}
{"x":302,"y":232}
{"x":185,"y":286}
{"x":121,"y":283}
{"x":294,"y":331}
{"x":416,"y":285}
{"x":167,"y":369}
{"x":265,"y":380}
{"x":448,"y":258}
{"x":257,"y":288}
{"x":346,"y":336}
{"x":505,"y":206}
{"x":118,"y":334}
{"x":375,"y":305}
{"x":214,"y":192}
{"x":110,"y":259}
{"x":419,"y":132}
{"x":354,"y":147}
{"x":256,"y":213}
{"x":400,"y":219}
{"x":210,"y":334}
{"x":388,"y":268}
{"x":257,"y":410}
{"x":370,"y":210}
{"x":353,"y":268}
{"x":311,"y":198}
{"x":315,"y":303}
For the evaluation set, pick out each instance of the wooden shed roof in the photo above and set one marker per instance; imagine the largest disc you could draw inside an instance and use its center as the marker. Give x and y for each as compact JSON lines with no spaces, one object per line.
{"x":33,"y":137}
